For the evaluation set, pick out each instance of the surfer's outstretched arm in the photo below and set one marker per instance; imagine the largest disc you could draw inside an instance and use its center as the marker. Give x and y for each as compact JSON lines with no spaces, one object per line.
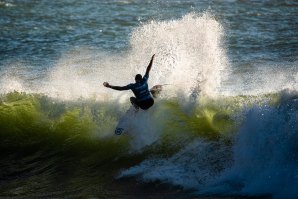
{"x":150,"y":65}
{"x":118,"y":88}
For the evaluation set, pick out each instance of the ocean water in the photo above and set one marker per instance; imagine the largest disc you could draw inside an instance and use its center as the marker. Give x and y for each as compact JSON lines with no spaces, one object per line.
{"x":225,"y":124}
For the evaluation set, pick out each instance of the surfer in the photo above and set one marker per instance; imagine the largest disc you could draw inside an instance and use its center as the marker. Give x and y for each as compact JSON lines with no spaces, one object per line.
{"x":143,"y":98}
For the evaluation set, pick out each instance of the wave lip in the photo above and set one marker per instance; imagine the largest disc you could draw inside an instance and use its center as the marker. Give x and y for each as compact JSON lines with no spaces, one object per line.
{"x":190,"y":52}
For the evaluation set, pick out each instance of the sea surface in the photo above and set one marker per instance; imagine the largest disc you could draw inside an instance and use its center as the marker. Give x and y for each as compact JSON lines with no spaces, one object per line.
{"x":225,"y":124}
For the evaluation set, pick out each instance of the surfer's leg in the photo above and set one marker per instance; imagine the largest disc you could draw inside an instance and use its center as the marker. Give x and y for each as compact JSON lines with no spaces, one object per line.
{"x":133,"y":101}
{"x":146,"y":104}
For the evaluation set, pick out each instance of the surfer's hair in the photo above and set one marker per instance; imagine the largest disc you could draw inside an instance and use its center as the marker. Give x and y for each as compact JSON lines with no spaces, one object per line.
{"x":138,"y":77}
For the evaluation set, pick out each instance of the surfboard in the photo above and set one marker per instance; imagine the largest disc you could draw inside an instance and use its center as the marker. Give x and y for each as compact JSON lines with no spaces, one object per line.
{"x":123,"y":125}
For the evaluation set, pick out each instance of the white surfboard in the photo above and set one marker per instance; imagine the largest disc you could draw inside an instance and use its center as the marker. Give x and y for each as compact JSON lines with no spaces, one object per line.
{"x":124,"y":124}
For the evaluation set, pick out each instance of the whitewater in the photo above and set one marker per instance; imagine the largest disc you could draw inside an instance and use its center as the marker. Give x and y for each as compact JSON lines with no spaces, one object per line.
{"x":213,"y":131}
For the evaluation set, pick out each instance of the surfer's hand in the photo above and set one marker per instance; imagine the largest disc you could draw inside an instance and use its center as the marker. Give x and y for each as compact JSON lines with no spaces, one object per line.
{"x":106,"y":84}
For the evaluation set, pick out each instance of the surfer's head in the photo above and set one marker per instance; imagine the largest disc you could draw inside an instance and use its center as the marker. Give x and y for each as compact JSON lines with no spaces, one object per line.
{"x":138,"y":77}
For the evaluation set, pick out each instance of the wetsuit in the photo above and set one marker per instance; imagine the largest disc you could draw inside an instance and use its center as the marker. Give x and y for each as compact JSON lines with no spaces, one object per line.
{"x":143,"y":98}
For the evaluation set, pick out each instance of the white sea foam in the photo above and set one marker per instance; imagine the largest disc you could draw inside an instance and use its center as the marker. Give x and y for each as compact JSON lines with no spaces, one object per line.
{"x":189,"y":52}
{"x":261,"y":77}
{"x":189,"y":57}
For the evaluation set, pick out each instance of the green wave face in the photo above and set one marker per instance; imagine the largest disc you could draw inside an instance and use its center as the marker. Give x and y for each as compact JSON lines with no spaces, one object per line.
{"x":27,"y":120}
{"x":34,"y":119}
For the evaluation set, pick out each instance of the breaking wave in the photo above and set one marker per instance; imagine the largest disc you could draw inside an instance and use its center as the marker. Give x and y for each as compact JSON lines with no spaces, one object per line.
{"x":198,"y":135}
